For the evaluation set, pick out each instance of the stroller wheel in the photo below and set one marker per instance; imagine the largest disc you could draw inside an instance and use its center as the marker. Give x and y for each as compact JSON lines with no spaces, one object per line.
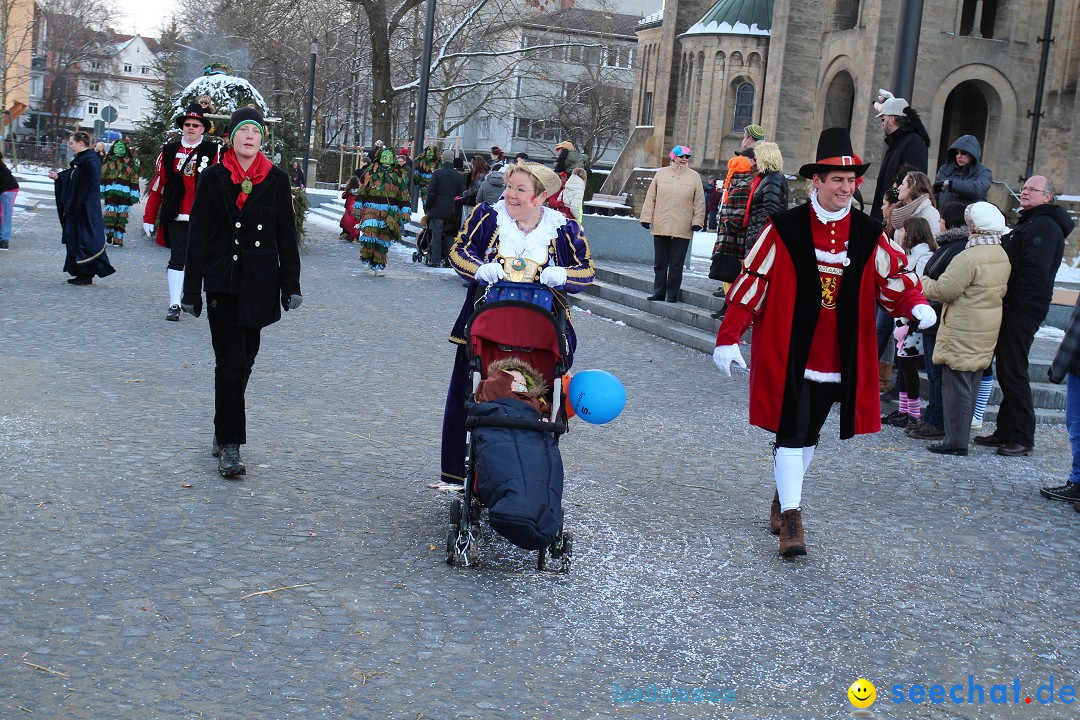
{"x":416,"y":257}
{"x":541,"y":559}
{"x":567,"y":555}
{"x":451,"y":545}
{"x":455,"y":513}
{"x":472,"y":549}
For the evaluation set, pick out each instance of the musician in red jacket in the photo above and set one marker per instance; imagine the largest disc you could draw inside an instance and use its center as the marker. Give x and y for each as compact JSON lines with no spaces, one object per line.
{"x":172,"y":192}
{"x":810,"y":286}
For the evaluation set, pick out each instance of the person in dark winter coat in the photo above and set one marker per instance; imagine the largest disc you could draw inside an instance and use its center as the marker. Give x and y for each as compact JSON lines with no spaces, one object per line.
{"x":568,"y":158}
{"x":242,"y":250}
{"x":1035,"y":248}
{"x":446,"y":184}
{"x":907,"y":145}
{"x":771,"y":194}
{"x":963,"y":178}
{"x":1066,"y":367}
{"x":78,"y":202}
{"x":491,"y":189}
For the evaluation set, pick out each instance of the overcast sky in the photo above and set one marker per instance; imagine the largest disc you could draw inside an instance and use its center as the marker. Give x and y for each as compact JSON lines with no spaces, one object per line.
{"x":144,"y":17}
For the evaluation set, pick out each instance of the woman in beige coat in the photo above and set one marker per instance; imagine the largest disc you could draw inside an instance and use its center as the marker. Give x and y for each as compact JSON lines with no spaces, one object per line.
{"x":674,"y":210}
{"x":971,"y":289}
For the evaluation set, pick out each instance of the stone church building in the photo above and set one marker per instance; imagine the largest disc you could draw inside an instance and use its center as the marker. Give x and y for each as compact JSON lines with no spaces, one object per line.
{"x":706,"y":69}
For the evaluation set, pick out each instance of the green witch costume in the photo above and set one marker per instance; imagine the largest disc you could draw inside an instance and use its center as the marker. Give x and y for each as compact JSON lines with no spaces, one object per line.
{"x":382,"y":204}
{"x":426,"y":164}
{"x":119,"y":189}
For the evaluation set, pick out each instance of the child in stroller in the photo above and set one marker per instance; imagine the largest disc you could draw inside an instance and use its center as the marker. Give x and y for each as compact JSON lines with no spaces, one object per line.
{"x":514,"y":423}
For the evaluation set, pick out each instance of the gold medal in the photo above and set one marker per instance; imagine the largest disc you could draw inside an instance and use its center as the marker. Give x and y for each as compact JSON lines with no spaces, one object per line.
{"x":245,"y":187}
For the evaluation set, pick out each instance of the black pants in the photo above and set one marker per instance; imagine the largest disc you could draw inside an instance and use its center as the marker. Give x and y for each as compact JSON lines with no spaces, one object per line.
{"x":235,"y":349}
{"x":811,"y":411}
{"x":1016,"y":416}
{"x":908,"y":374}
{"x":440,"y":248}
{"x":176,"y":234}
{"x":669,"y":253}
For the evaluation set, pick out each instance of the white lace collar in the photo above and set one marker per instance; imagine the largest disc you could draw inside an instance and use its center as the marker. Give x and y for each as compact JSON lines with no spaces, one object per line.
{"x":189,"y":147}
{"x":827,"y":216}
{"x":514,"y":243}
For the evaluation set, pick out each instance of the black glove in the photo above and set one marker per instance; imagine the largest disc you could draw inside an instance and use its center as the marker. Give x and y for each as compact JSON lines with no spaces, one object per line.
{"x":290,"y":302}
{"x":939,"y":186}
{"x":646,"y":225}
{"x":695,"y":228}
{"x":191,"y":303}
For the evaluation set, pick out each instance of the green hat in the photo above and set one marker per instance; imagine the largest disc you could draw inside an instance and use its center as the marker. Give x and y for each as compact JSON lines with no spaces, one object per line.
{"x":755,"y":131}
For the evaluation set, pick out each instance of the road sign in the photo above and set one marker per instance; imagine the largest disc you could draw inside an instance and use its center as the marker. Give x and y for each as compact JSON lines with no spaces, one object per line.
{"x":108,"y":114}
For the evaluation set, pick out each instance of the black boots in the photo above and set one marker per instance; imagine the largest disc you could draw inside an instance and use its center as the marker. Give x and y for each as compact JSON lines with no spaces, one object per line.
{"x":173,"y":314}
{"x":229,"y":462}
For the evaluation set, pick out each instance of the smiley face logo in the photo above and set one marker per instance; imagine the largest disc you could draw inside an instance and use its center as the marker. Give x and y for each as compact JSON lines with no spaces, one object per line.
{"x":862,"y":693}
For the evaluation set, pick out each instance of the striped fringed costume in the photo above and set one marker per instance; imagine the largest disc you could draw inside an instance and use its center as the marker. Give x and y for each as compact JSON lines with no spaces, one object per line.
{"x":382,"y":205}
{"x":426,"y":163}
{"x":119,"y":190}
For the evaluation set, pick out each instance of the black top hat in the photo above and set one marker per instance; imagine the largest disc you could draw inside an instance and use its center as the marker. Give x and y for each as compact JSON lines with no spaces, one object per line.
{"x":196,"y":111}
{"x":834,"y":153}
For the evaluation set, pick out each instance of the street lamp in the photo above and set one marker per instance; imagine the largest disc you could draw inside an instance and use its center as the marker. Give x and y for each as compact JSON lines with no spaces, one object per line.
{"x":310,"y":103}
{"x":422,"y":91}
{"x":907,"y":49}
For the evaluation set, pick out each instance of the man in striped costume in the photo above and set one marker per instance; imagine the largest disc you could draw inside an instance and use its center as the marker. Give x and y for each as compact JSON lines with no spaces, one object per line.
{"x":809,"y":286}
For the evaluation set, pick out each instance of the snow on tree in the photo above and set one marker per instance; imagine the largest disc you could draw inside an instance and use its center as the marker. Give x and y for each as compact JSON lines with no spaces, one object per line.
{"x":227,"y":92}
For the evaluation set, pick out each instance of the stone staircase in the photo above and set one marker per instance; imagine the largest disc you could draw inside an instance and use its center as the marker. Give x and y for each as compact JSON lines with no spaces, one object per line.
{"x":619,"y":293}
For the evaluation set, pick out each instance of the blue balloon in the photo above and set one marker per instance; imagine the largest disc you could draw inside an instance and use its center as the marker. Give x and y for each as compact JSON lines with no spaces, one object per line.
{"x":597,"y":396}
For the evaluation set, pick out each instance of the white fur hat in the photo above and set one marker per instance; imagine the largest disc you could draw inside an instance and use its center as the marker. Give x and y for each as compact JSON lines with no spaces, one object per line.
{"x":984,"y":219}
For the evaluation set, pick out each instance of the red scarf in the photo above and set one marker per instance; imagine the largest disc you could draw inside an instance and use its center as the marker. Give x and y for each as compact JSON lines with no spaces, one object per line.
{"x":256,"y":173}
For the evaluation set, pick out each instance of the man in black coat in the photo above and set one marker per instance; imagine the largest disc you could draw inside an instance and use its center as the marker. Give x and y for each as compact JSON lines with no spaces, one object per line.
{"x":907,"y":144}
{"x":445,"y":185}
{"x":243,"y":250}
{"x":1035,"y":247}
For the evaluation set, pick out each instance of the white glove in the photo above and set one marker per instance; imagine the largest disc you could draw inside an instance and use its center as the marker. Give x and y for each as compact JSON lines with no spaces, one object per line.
{"x":148,"y":228}
{"x":724,"y":355}
{"x":925,"y":315}
{"x":553,"y":276}
{"x":489,"y":273}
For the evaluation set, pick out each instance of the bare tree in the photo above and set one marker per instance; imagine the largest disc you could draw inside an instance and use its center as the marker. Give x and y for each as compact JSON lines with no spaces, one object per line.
{"x":16,"y":37}
{"x":75,"y":43}
{"x":595,"y":111}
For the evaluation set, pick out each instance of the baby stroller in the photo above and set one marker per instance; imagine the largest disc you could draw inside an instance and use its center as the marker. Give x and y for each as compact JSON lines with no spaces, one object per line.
{"x":423,"y":241}
{"x":513,"y":467}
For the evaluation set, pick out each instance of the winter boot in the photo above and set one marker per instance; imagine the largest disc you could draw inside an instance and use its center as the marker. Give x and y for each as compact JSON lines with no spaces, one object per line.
{"x":885,"y":376}
{"x":774,"y":514}
{"x":215,"y":449}
{"x":792,"y":542}
{"x":229,"y":462}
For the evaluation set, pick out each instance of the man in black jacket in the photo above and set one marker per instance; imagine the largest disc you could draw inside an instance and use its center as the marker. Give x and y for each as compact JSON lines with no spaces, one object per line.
{"x":242,"y":247}
{"x":1035,"y":247}
{"x":907,"y":144}
{"x":445,"y":185}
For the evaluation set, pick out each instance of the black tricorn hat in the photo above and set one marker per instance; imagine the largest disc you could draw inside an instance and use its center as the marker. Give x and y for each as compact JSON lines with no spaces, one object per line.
{"x":834,"y":153}
{"x":195,"y":110}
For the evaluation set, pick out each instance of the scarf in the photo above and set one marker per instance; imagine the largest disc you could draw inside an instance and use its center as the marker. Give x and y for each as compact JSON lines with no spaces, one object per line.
{"x":990,"y":238}
{"x":246,"y":179}
{"x":827,"y":216}
{"x":900,"y":214}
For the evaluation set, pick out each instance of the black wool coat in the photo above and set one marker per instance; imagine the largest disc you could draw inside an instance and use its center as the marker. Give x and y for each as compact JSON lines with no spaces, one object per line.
{"x":250,"y":253}
{"x":446,"y":184}
{"x":906,"y":150}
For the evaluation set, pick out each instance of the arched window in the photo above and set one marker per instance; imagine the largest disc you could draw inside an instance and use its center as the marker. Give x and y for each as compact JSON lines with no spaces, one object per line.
{"x":845,"y":14}
{"x":839,"y":101}
{"x":744,"y":106}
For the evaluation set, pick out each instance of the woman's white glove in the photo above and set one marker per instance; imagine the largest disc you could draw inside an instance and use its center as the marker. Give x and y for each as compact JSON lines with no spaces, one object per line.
{"x":724,"y":355}
{"x":148,"y":228}
{"x":489,"y":273}
{"x":925,"y":315}
{"x":553,"y":276}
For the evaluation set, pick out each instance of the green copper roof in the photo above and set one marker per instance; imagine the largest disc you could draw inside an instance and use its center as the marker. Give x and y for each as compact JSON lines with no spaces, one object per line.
{"x":736,"y":17}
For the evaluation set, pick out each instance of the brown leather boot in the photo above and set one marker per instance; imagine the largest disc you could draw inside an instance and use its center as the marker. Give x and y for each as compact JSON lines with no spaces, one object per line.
{"x":774,"y":514}
{"x":885,"y":376}
{"x":791,"y":534}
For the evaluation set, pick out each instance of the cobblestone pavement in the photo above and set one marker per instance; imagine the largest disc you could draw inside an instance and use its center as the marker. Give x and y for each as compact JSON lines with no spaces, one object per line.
{"x":134,"y":579}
